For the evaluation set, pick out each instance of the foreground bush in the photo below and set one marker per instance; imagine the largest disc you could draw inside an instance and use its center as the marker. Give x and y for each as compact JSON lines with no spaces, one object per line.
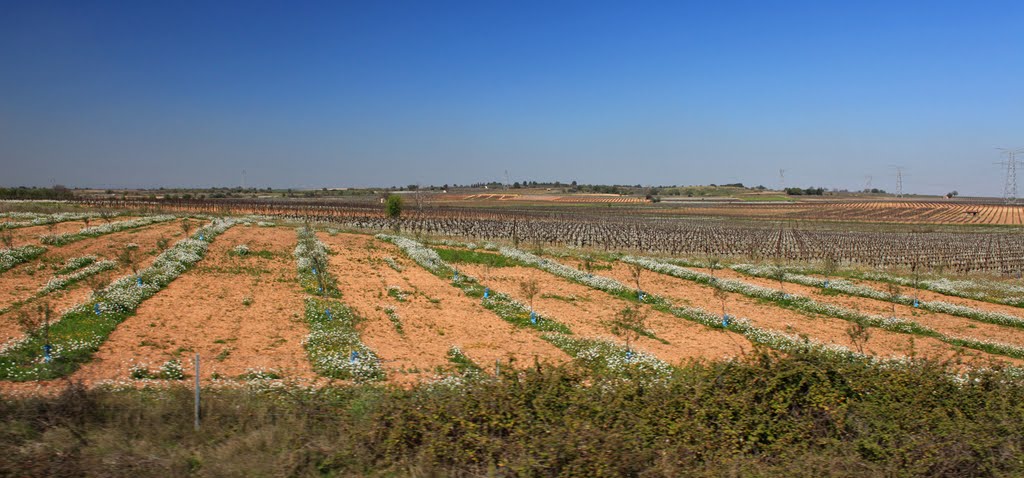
{"x":795,"y":416}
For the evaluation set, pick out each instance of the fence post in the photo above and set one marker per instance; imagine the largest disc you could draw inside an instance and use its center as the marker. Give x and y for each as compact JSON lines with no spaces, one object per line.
{"x":197,"y":394}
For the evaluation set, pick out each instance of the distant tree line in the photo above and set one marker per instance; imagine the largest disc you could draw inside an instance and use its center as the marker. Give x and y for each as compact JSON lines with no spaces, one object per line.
{"x":56,"y":192}
{"x":812,"y":191}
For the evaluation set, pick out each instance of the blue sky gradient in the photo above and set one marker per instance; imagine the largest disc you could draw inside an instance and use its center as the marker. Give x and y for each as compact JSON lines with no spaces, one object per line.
{"x":390,"y":93}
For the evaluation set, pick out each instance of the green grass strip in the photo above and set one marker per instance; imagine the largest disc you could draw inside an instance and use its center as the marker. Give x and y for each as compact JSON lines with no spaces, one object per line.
{"x":80,"y":332}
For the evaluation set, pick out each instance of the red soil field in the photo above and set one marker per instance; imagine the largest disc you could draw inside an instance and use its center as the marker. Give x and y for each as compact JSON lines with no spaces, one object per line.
{"x":204,"y":312}
{"x":435,"y":316}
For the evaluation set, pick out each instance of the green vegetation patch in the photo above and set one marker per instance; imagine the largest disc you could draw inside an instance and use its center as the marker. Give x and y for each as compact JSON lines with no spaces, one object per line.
{"x":477,"y":257}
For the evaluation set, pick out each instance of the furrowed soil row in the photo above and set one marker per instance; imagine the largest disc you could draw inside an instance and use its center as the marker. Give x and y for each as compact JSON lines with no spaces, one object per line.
{"x":824,"y":329}
{"x":205,"y":311}
{"x":24,"y":280}
{"x":932,"y":296}
{"x":435,"y":316}
{"x":944,"y":323}
{"x":588,"y":313}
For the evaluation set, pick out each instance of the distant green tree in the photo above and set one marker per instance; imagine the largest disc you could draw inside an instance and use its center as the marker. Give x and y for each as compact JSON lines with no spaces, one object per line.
{"x":393,"y":206}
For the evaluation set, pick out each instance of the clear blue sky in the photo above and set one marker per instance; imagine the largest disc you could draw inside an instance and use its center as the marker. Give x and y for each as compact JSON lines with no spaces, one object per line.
{"x":380,"y":93}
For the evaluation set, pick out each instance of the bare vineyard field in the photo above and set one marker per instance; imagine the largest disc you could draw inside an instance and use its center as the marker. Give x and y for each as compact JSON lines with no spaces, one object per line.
{"x":961,"y":249}
{"x":243,"y":312}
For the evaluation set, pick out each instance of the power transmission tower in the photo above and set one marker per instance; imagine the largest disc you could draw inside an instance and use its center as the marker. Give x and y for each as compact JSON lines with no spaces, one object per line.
{"x":782,"y":180}
{"x":1010,"y":186}
{"x":243,"y":180}
{"x":899,"y":181}
{"x":508,"y":183}
{"x":867,"y":183}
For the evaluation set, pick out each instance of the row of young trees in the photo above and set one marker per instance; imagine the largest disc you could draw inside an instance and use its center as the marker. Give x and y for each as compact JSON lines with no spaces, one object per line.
{"x":1001,"y":252}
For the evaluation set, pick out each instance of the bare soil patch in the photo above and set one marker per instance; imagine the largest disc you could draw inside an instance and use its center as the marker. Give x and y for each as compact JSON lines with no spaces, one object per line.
{"x":238,"y":313}
{"x":944,"y":323}
{"x":434,"y":315}
{"x":823,"y":329}
{"x":588,"y":313}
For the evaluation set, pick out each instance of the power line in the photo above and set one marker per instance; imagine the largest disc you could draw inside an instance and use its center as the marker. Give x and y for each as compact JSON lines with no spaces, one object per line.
{"x":899,"y":181}
{"x":1010,"y":184}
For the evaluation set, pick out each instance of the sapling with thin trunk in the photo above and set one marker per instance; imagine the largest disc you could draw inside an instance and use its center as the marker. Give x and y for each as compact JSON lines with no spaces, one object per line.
{"x":636,"y":271}
{"x":128,"y":258}
{"x":36,"y":324}
{"x":829,"y":266}
{"x":721,"y":295}
{"x":529,"y":288}
{"x":859,"y":334}
{"x":96,"y":284}
{"x":779,"y":274}
{"x":713,"y":263}
{"x":893,"y":290}
{"x":186,"y":226}
{"x":7,"y":238}
{"x":629,"y":323}
{"x":915,"y":270}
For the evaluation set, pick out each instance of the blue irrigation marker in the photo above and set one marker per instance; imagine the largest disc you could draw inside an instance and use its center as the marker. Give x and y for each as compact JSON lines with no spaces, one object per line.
{"x":314,"y":271}
{"x":487,"y":292}
{"x":138,"y":281}
{"x":533,"y":317}
{"x":916,"y":303}
{"x":46,"y":353}
{"x":329,"y":316}
{"x":456,"y":276}
{"x":725,"y":320}
{"x":826,"y":284}
{"x":629,"y":355}
{"x":353,"y":357}
{"x":96,"y":308}
{"x":639,"y":295}
{"x":202,"y":238}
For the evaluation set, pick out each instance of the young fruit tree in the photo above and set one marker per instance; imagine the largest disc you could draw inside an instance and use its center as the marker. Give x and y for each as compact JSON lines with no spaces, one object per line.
{"x":894,"y":293}
{"x":629,"y":323}
{"x":828,"y":267}
{"x":636,"y":271}
{"x":37,"y":324}
{"x":128,"y":258}
{"x":722,"y":296}
{"x":529,"y":288}
{"x":859,"y":334}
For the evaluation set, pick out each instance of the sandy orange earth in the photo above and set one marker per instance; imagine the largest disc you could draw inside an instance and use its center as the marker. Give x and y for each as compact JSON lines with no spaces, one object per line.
{"x":823,"y":329}
{"x":435,"y":315}
{"x":944,"y":323}
{"x":30,"y":235}
{"x":928,"y":295}
{"x":24,"y":236}
{"x":588,"y":313}
{"x":204,"y":311}
{"x":22,"y":282}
